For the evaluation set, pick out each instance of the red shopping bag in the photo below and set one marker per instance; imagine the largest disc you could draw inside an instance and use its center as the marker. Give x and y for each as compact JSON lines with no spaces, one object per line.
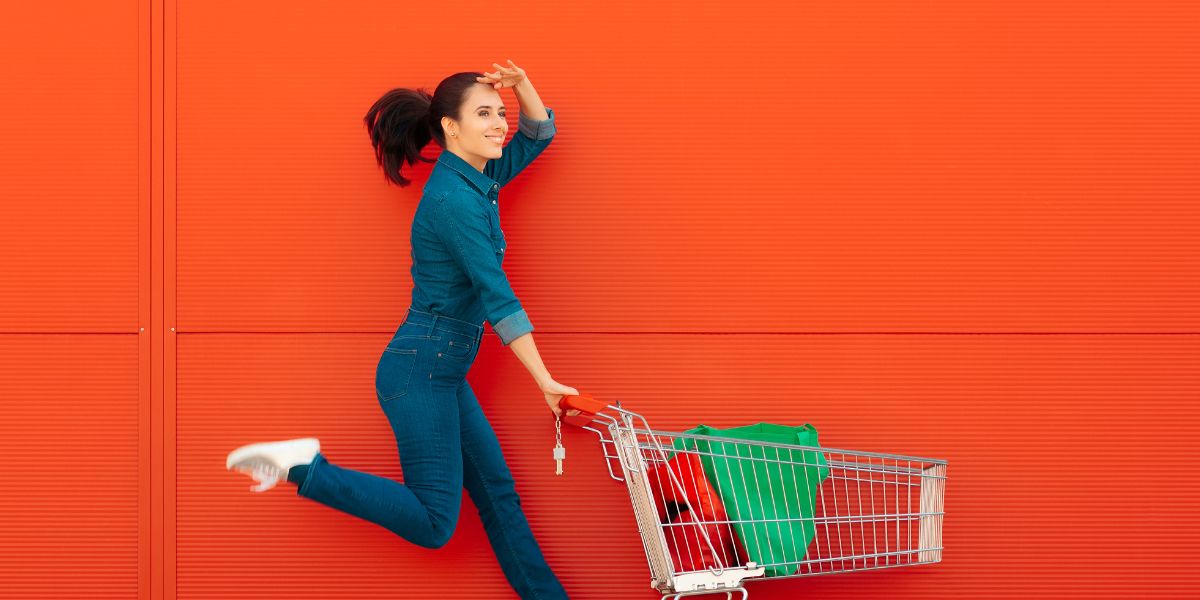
{"x":691,"y":512}
{"x":691,"y":552}
{"x":696,"y":492}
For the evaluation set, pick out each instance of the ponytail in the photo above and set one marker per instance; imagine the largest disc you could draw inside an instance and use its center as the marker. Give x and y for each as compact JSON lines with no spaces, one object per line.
{"x":399,"y":126}
{"x":403,"y":121}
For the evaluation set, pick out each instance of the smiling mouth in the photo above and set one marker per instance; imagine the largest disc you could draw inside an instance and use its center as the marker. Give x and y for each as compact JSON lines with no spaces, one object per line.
{"x":499,"y":139}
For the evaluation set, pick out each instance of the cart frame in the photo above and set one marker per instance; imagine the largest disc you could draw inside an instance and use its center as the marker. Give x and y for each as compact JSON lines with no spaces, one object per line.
{"x":847,"y":536}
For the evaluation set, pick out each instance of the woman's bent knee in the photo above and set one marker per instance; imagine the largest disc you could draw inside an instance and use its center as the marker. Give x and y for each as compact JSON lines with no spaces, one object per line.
{"x":438,"y":534}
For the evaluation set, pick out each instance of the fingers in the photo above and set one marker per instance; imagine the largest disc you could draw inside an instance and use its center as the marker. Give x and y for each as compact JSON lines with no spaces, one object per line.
{"x":497,"y":79}
{"x":494,"y":79}
{"x":501,"y":70}
{"x":512,"y":69}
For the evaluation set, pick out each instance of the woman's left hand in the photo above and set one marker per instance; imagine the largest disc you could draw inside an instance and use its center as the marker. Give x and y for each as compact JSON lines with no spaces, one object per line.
{"x":504,"y":77}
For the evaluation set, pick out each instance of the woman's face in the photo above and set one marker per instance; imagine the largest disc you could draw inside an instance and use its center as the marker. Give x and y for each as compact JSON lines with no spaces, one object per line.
{"x":482,"y":129}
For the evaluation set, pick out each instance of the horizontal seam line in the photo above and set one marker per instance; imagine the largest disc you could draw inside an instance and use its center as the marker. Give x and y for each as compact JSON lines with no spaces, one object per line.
{"x":565,"y":332}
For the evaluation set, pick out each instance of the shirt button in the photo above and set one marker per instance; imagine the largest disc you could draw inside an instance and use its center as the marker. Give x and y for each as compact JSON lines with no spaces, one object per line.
{"x":495,"y":186}
{"x":493,"y":201}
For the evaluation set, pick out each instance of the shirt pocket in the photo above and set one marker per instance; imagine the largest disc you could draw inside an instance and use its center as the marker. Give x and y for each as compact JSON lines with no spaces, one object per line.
{"x":499,"y":244}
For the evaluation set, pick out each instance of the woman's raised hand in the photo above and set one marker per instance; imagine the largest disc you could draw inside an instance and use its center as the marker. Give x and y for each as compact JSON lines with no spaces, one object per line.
{"x":504,"y":77}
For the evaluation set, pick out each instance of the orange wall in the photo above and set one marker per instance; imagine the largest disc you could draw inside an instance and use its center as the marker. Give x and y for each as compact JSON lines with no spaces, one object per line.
{"x":960,"y":230}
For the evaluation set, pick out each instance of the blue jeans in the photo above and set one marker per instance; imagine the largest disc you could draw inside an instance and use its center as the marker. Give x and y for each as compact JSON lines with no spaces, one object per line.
{"x":446,"y":443}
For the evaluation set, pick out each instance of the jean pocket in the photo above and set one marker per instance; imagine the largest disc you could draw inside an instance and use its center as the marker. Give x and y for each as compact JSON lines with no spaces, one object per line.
{"x":394,"y":372}
{"x":457,"y":349}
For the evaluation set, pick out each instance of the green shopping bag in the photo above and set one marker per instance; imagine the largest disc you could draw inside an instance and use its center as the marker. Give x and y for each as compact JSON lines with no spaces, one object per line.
{"x":783,"y":486}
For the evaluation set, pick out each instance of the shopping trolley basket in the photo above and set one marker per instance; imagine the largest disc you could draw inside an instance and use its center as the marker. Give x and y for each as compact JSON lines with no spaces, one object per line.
{"x":866,"y":510}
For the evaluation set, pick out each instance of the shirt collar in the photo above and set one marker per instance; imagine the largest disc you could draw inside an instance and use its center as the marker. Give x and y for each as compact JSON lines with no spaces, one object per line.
{"x":482,"y":182}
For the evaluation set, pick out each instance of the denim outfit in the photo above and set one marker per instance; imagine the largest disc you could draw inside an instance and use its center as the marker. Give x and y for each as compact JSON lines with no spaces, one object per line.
{"x":457,"y":243}
{"x":445,"y":441}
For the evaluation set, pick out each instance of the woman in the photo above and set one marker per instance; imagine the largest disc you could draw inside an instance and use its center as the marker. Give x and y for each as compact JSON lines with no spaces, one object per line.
{"x":444,"y":439}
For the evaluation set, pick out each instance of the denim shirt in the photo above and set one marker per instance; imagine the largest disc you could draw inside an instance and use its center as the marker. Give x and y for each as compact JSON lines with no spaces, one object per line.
{"x":457,"y":244}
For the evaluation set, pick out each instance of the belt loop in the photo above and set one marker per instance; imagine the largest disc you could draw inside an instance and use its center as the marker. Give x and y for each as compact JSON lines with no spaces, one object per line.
{"x":433,"y":325}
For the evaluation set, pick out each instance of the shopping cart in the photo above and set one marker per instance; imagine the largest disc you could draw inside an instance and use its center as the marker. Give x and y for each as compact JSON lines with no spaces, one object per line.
{"x":865,"y":510}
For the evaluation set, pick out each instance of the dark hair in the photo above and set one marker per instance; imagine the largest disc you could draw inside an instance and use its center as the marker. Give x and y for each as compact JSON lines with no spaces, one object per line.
{"x":403,"y":121}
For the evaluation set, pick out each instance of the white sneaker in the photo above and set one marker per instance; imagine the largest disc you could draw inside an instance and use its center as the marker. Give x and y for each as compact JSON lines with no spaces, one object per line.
{"x":268,"y":462}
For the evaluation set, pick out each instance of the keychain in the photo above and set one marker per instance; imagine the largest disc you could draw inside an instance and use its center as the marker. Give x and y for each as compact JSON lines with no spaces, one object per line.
{"x":560,"y":452}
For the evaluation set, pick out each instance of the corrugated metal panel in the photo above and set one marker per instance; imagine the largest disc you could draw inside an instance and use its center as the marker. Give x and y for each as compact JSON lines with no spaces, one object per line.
{"x":961,"y":231}
{"x":917,"y":228}
{"x":69,"y":167}
{"x":1061,"y":469}
{"x":1000,"y":167}
{"x":69,"y":517}
{"x":74,"y":518}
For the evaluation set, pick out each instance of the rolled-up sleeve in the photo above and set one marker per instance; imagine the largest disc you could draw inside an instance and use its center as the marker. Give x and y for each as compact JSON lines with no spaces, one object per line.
{"x":462,"y":224}
{"x":537,"y":130}
{"x":531,"y":138}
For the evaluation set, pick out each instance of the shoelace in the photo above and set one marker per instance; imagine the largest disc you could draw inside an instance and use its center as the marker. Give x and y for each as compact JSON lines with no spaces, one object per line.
{"x":263,"y":472}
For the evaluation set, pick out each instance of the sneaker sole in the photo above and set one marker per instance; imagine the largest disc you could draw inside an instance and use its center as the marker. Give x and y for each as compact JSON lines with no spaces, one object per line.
{"x":311,"y":445}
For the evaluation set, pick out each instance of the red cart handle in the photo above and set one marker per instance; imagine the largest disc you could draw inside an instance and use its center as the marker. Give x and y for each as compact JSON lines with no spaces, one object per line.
{"x":584,"y":403}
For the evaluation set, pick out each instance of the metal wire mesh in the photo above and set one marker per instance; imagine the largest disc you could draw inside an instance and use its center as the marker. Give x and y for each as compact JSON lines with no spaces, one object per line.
{"x":706,"y":505}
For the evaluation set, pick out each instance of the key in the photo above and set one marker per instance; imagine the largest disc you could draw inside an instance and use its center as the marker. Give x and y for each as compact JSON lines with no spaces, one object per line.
{"x":560,"y":453}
